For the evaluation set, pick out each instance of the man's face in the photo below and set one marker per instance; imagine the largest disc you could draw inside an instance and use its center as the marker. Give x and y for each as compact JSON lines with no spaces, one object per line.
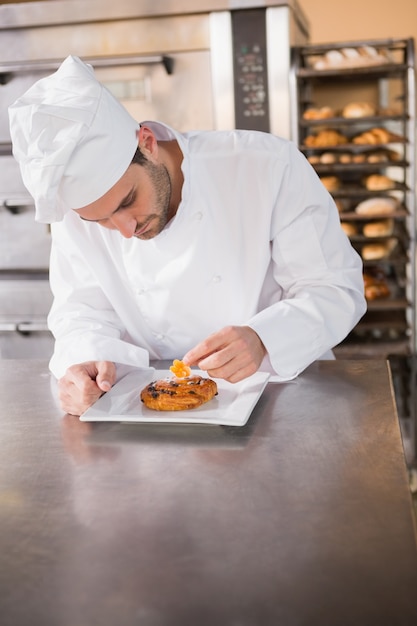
{"x":138,"y":205}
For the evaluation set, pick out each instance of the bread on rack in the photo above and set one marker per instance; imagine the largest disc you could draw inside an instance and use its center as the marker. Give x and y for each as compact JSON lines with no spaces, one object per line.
{"x":328,"y":158}
{"x":370,"y":156}
{"x":358,"y":109}
{"x":376,"y":287}
{"x":332,"y":183}
{"x":359,"y":158}
{"x":342,"y":205}
{"x":351,"y":57}
{"x":377,"y":206}
{"x":345,"y":157}
{"x":382,"y":156}
{"x":377,"y":251}
{"x":349,"y":228}
{"x":378,"y":182}
{"x":318,"y":113}
{"x":379,"y":228}
{"x":375,"y":136}
{"x":326,"y":138}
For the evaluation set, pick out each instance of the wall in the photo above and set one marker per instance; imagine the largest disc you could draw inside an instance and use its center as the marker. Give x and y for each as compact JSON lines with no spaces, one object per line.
{"x":344,"y":20}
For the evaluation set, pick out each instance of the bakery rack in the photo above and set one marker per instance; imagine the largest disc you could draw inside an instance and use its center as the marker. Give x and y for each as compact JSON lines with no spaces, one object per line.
{"x":379,"y":75}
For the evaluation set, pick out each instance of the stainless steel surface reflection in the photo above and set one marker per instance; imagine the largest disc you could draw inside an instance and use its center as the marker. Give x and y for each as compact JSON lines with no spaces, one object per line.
{"x":303,"y":516}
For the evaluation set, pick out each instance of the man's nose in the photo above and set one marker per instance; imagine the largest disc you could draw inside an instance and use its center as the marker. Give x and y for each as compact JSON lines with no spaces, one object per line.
{"x":124,"y":223}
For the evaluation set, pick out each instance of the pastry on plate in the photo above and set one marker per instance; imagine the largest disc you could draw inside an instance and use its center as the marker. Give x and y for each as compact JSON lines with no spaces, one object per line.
{"x":179,"y":392}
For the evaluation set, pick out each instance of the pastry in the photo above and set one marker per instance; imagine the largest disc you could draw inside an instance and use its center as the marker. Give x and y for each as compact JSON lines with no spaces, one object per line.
{"x":377,"y":206}
{"x":326,"y":138}
{"x":358,"y":109}
{"x":180,"y":392}
{"x":375,"y":136}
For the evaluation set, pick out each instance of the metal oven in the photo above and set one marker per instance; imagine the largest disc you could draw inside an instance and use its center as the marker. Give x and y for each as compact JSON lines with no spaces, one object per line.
{"x":221,"y":64}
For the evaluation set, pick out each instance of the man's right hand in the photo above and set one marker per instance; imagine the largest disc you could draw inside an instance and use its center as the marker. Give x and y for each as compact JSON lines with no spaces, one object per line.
{"x":84,"y":383}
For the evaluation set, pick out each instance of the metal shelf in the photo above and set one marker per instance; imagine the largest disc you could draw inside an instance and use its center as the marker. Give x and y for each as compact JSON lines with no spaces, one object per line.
{"x":388,"y":329}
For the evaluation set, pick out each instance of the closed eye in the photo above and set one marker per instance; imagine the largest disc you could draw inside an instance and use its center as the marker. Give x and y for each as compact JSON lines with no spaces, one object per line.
{"x":128,"y":201}
{"x":124,"y":204}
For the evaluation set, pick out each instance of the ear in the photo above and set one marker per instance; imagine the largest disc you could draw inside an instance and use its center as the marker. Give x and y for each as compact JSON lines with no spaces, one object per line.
{"x":147,"y":142}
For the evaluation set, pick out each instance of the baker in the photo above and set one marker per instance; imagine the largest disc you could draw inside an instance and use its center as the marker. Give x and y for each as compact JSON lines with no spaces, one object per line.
{"x":221,"y":247}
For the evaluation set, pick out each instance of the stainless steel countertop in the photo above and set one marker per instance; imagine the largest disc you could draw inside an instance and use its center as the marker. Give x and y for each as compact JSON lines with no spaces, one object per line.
{"x":302,"y":517}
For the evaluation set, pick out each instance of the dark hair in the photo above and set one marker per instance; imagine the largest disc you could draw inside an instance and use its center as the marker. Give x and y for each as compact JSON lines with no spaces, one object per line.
{"x":139,"y":158}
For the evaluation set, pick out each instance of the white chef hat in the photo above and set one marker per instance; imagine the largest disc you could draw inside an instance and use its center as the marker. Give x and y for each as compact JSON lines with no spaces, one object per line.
{"x":72,"y":138}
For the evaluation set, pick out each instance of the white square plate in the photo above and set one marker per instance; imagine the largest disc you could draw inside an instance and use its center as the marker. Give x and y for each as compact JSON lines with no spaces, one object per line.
{"x":231,"y":407}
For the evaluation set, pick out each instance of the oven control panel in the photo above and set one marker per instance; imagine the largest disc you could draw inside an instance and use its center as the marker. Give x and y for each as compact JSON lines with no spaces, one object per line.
{"x":250,"y":69}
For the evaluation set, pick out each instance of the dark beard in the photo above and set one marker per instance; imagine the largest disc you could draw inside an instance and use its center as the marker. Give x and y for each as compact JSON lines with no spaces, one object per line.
{"x":162,"y":184}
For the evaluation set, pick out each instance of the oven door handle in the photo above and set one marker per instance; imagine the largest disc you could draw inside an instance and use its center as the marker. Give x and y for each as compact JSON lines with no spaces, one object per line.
{"x":26,"y":328}
{"x":18,"y":205}
{"x":8,"y":327}
{"x":7,"y":69}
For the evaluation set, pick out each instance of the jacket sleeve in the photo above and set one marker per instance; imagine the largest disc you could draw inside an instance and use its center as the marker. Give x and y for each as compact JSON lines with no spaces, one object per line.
{"x":318,"y":270}
{"x":84,"y":323}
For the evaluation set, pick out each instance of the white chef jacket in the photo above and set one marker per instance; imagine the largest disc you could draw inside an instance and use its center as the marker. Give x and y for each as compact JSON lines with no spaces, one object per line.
{"x":256,"y":241}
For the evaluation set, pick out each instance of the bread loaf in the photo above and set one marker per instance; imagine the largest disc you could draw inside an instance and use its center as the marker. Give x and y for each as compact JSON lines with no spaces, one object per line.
{"x":332,"y":183}
{"x":349,"y":229}
{"x":328,"y":158}
{"x":358,"y":109}
{"x":377,"y":251}
{"x":321,"y":113}
{"x":381,"y":228}
{"x":350,"y":57}
{"x":378,"y":182}
{"x":377,"y":206}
